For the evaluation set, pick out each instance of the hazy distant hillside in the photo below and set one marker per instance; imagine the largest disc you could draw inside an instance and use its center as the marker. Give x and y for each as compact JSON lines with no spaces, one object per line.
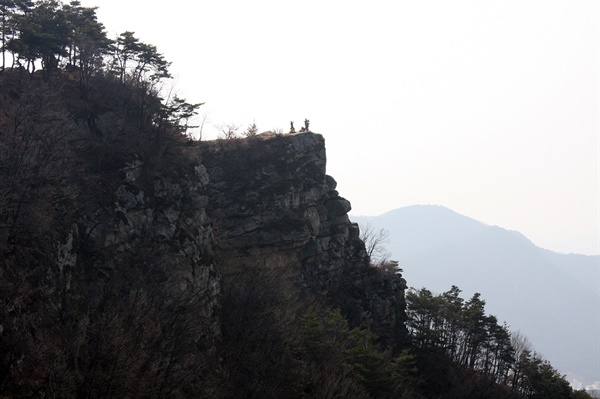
{"x":582,"y":267}
{"x":550,"y":297}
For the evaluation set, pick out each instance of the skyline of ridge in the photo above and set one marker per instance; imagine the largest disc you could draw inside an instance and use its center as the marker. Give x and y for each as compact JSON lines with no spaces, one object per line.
{"x":490,"y":108}
{"x":353,"y":214}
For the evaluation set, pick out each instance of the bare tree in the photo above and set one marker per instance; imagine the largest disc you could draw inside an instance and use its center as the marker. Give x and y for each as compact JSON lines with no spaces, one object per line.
{"x":375,"y":240}
{"x":229,"y":130}
{"x":522,"y":349}
{"x":202,"y":122}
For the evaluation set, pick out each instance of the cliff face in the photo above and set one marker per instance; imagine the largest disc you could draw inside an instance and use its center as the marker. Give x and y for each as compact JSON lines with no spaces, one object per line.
{"x":159,"y":229}
{"x":272,"y":204}
{"x":120,"y":255}
{"x":264,"y":202}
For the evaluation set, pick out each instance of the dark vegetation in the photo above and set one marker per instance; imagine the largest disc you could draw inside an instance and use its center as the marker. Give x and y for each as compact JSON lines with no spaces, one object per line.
{"x":467,"y":354}
{"x":75,"y":108}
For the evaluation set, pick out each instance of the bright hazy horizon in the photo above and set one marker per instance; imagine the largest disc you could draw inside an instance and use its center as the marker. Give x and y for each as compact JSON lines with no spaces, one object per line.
{"x":489,"y":108}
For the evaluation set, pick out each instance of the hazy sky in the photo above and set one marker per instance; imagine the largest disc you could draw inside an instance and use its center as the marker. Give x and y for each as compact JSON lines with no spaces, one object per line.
{"x":490,"y":108}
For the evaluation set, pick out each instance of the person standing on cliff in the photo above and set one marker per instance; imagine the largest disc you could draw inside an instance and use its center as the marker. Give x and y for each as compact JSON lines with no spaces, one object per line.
{"x":292,"y":130}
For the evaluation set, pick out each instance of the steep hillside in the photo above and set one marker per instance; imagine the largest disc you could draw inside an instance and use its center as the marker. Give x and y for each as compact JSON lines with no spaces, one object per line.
{"x":272,"y":204}
{"x":551,"y":298}
{"x":137,"y":262}
{"x":130,"y":251}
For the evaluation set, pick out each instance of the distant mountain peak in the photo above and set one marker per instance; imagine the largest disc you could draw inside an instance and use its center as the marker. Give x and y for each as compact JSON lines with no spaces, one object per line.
{"x":535,"y":290}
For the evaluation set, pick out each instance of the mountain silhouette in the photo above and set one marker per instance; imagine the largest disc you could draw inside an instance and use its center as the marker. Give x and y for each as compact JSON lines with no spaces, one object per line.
{"x":552,"y":298}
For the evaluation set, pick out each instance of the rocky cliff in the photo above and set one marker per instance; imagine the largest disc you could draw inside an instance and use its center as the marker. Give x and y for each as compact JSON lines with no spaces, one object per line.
{"x":260,"y":202}
{"x":119,"y":257}
{"x":271,"y":203}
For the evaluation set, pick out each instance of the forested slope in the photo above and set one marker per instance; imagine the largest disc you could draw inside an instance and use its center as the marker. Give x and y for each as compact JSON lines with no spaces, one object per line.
{"x":137,"y":262}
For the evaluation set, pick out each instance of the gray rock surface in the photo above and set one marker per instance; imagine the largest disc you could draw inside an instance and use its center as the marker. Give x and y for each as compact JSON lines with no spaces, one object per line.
{"x":271,"y":203}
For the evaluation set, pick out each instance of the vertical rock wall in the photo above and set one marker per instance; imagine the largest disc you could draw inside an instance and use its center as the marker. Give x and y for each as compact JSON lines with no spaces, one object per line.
{"x":149,"y":237}
{"x":271,"y":203}
{"x":265,"y":201}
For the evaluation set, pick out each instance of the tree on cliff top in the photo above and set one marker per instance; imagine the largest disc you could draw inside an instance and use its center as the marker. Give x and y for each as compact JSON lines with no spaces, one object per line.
{"x":9,"y":9}
{"x":375,"y":241}
{"x":88,"y":41}
{"x":42,"y":34}
{"x":137,"y":61}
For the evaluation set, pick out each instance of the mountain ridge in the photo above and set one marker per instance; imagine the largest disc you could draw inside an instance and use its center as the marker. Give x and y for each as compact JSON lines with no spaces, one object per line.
{"x":437,"y":247}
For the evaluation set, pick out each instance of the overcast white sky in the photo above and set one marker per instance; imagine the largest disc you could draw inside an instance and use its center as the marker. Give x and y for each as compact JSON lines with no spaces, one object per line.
{"x":490,"y":108}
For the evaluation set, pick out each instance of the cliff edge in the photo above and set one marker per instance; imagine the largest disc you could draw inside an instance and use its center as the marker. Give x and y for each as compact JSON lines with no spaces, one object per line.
{"x":271,"y":203}
{"x":137,"y":260}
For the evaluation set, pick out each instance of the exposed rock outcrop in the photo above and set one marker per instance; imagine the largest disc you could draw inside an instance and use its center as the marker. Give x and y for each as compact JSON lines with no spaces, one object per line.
{"x":271,"y":203}
{"x":156,"y":230}
{"x":264,"y":201}
{"x":137,"y":262}
{"x":152,"y":249}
